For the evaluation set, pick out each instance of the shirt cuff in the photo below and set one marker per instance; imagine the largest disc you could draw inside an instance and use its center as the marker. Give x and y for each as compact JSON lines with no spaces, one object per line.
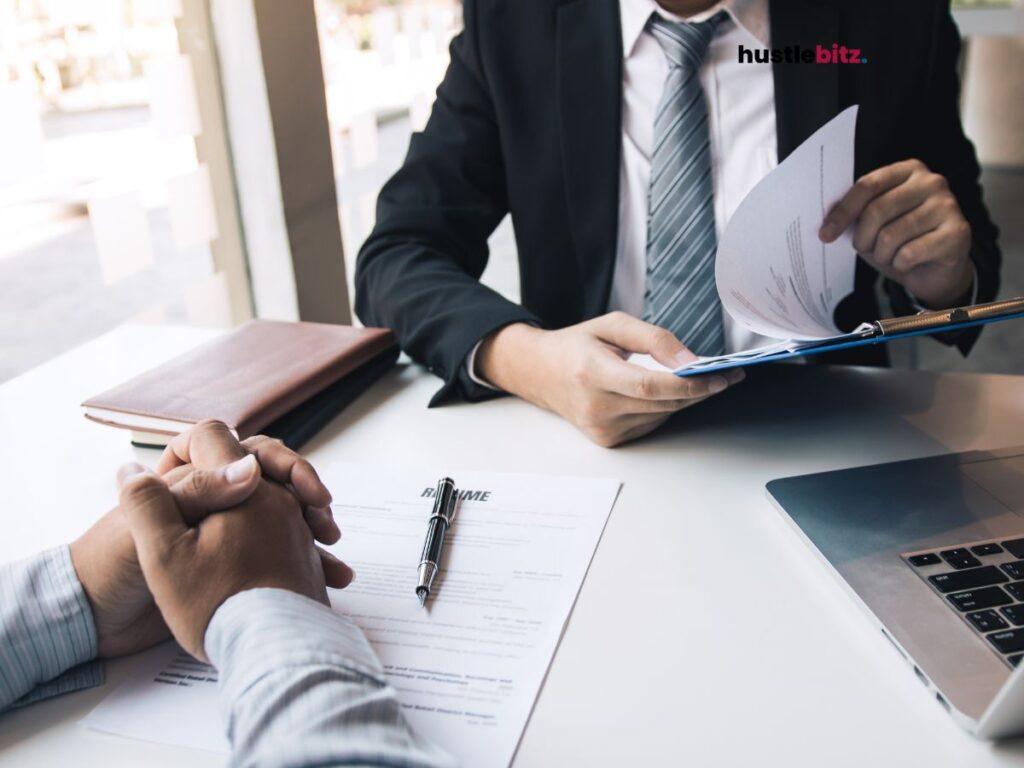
{"x":47,"y":630}
{"x":471,"y":368}
{"x":80,"y":678}
{"x":262,"y":630}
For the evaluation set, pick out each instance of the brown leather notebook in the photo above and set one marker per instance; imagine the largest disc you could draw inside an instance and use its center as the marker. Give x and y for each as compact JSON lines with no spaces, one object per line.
{"x":257,"y":375}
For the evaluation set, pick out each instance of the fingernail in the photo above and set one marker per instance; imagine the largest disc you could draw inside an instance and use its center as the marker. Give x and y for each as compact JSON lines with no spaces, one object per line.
{"x":828,"y":232}
{"x":240,"y":471}
{"x":131,"y":469}
{"x":685,"y":357}
{"x":717,"y":384}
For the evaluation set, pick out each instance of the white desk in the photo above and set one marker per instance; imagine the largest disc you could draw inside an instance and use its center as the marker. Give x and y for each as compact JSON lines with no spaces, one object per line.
{"x":705,"y":634}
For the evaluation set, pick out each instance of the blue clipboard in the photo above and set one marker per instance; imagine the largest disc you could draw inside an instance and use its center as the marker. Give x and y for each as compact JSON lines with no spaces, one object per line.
{"x":881,"y":332}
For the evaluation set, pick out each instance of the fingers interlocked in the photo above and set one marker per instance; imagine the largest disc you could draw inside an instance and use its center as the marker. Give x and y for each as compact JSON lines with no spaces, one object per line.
{"x":225,"y":517}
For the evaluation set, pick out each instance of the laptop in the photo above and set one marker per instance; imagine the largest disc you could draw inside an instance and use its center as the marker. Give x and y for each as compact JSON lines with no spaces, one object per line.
{"x":933,"y":550}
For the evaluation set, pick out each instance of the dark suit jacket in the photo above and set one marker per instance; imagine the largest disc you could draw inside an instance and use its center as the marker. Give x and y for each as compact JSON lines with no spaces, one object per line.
{"x":527,"y":122}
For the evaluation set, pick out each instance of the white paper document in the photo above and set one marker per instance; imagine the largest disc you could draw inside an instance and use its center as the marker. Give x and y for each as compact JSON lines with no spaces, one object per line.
{"x":773,"y":274}
{"x":170,"y":699}
{"x":468,"y":667}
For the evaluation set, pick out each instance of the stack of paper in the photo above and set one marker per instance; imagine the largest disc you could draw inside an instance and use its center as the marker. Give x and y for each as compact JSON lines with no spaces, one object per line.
{"x":774,"y":275}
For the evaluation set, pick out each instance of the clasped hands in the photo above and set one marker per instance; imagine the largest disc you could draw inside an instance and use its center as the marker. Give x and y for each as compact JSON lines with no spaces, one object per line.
{"x":907,"y":225}
{"x":217,"y":517}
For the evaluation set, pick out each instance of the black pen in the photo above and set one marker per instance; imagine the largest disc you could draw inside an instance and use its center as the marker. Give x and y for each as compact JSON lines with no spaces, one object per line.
{"x":441,"y":517}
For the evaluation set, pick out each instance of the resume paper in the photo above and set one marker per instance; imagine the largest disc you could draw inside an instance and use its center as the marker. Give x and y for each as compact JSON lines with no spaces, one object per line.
{"x":467,"y":667}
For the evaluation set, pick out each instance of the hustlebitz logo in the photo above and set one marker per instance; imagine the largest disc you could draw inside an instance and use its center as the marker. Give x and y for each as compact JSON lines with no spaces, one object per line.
{"x":795,"y":54}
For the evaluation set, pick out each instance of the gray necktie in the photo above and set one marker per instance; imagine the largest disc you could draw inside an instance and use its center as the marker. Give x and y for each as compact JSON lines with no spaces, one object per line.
{"x":680,"y":293}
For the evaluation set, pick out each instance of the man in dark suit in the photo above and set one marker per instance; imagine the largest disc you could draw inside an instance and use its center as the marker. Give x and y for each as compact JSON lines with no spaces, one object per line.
{"x":621,"y":135}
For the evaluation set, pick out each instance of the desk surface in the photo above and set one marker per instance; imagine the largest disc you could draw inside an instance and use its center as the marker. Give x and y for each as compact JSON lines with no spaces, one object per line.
{"x":704,"y":634}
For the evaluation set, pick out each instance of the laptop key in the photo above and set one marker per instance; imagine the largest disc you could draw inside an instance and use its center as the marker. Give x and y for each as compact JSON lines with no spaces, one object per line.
{"x":1015,"y":659}
{"x":984,"y":550}
{"x":957,"y":552}
{"x":1008,"y":641}
{"x":971,"y":579}
{"x":1014,"y":570}
{"x":1015,"y":547}
{"x":960,"y":558}
{"x":1015,"y":613}
{"x":966,"y":561}
{"x":921,"y":560}
{"x":987,"y":621}
{"x":1016,"y":588}
{"x":977,"y":599}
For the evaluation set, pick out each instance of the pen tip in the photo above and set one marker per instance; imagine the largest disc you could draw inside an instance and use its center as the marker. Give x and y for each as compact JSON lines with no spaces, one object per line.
{"x":422,"y":595}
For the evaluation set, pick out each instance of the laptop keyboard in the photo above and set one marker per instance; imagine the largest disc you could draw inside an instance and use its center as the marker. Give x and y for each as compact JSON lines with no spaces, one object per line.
{"x":984,"y":583}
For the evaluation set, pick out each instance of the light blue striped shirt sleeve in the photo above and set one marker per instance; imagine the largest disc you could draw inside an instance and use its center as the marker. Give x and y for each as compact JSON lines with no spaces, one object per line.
{"x":47,"y":633}
{"x":300,"y":686}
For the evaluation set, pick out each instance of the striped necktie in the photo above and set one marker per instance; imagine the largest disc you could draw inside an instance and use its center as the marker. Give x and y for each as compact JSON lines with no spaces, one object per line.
{"x":680,"y":294}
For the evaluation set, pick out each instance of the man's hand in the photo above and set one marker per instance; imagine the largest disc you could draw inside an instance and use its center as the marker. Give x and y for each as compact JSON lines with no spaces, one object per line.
{"x":191,"y":571}
{"x":210,"y":444}
{"x":104,"y":557}
{"x":581,"y":374}
{"x":909,"y":228}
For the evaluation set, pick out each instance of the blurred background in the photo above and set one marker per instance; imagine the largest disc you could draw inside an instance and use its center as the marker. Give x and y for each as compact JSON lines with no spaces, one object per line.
{"x":146,"y":148}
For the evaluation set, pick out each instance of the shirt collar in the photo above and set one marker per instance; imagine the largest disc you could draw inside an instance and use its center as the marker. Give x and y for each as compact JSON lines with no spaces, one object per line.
{"x":750,"y":15}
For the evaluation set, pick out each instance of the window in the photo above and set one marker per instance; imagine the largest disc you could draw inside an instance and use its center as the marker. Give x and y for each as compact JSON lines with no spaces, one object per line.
{"x":382,"y":64}
{"x":107,"y":208}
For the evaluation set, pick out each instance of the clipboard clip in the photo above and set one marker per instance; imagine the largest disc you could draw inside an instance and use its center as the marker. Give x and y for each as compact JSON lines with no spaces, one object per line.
{"x":943,"y":318}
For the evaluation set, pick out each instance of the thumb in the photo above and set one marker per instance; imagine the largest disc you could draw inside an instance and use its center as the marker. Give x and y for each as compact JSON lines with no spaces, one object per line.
{"x":203,"y":491}
{"x":148,"y":506}
{"x":634,"y":335}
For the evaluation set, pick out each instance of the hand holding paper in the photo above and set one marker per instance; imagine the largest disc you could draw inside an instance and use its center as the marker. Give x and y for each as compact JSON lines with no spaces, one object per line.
{"x":773,"y":273}
{"x":910,"y":228}
{"x":789,"y":254}
{"x":581,"y":373}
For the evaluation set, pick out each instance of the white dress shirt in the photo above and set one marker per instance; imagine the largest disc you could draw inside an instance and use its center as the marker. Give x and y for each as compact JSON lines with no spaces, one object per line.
{"x":741,"y":124}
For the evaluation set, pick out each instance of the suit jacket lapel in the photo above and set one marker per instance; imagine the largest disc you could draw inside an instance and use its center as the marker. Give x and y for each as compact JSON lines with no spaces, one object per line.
{"x":806,"y":95}
{"x":589,"y":94}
